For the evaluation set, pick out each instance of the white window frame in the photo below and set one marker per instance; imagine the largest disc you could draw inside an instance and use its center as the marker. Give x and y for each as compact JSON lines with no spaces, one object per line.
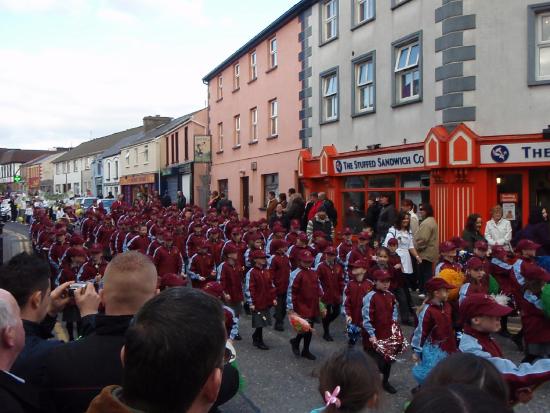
{"x":237,"y":131}
{"x":409,"y":68}
{"x":366,"y":84}
{"x":254,"y":124}
{"x":136,"y":155}
{"x":220,"y":87}
{"x":329,"y":20}
{"x":236,"y":76}
{"x":146,"y":154}
{"x":220,"y":137}
{"x":253,"y":66}
{"x":109,"y":171}
{"x":541,"y":44}
{"x":329,"y":95}
{"x":127,"y":157}
{"x":75,"y":166}
{"x":116,"y":169}
{"x":273,"y":49}
{"x":368,"y":7}
{"x":273,"y":118}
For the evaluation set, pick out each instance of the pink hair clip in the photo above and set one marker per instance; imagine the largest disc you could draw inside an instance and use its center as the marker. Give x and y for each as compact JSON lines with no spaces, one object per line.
{"x":333,"y":398}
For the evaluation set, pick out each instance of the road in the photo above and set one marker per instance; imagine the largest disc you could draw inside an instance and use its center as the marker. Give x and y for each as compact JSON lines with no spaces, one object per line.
{"x":277,"y":381}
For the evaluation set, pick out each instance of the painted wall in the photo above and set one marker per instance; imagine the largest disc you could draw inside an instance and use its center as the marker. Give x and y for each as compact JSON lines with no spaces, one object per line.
{"x":138,"y":165}
{"x":197,"y":126}
{"x":278,"y":155}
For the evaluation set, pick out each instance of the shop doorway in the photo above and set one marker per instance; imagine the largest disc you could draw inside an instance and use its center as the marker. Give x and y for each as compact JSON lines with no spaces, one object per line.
{"x":539,"y":182}
{"x":511,"y":190}
{"x":245,"y":191}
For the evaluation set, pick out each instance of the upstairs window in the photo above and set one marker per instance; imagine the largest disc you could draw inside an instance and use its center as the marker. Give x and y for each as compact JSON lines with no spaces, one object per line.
{"x":273,"y":118}
{"x":364,"y":84}
{"x":254,"y":125}
{"x":237,"y":131}
{"x":273,"y":53}
{"x":407,"y":69}
{"x":253,"y":66}
{"x":220,"y":87}
{"x":329,"y":20}
{"x":220,"y":137}
{"x":329,"y":84}
{"x":364,"y":11}
{"x":236,"y":76}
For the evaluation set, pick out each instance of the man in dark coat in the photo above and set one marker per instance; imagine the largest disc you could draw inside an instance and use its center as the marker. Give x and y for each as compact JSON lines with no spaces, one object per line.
{"x":181,"y":201}
{"x":224,"y":203}
{"x":386,"y":218}
{"x":330,"y":208}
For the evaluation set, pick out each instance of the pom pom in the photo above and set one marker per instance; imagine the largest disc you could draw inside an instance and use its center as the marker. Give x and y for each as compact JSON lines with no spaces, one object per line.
{"x":431,"y":356}
{"x":322,"y":309}
{"x":299,"y":324}
{"x":501,"y":299}
{"x":455,"y":278}
{"x":354,"y":333}
{"x":494,"y":287}
{"x":545,"y":296}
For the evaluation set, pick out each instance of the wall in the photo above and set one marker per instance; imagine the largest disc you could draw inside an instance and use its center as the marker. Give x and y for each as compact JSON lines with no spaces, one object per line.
{"x":139,"y":166}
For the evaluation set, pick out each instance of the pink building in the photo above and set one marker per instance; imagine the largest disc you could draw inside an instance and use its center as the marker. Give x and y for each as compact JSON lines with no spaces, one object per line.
{"x":254,"y":117}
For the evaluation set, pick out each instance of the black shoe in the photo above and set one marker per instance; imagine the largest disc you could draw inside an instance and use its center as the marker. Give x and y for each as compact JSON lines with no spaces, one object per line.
{"x":415,"y":390}
{"x":261,"y":345}
{"x":295,"y":346}
{"x":389,"y":388}
{"x":238,"y":337}
{"x":328,"y":337}
{"x":279,"y":327}
{"x":308,"y":355}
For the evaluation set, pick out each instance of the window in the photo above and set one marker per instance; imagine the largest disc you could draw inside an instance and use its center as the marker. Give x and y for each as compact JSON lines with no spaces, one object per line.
{"x":254,"y":125}
{"x":253,"y":66}
{"x":58,"y":189}
{"x":237,"y":131}
{"x":75,"y":166}
{"x":116,"y":170}
{"x":236,"y":77}
{"x":220,"y":87}
{"x":99,"y":168}
{"x":220,"y":137}
{"x":186,"y":138}
{"x":273,"y":118}
{"x":543,"y":46}
{"x":407,"y":70}
{"x":364,"y":11}
{"x":127,"y":156}
{"x":223,"y":186}
{"x":146,"y":154}
{"x":539,"y":44}
{"x":329,"y":96}
{"x":76,"y":188}
{"x":273,"y":53}
{"x":329,"y":24}
{"x":69,"y":167}
{"x":136,"y":156}
{"x":57,"y":168}
{"x":270,"y":183}
{"x":108,"y":171}
{"x":177,"y":155}
{"x":364,"y":92}
{"x":87,"y":163}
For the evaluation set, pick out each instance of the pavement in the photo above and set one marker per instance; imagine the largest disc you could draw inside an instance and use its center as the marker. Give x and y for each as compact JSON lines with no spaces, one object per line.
{"x":277,"y":381}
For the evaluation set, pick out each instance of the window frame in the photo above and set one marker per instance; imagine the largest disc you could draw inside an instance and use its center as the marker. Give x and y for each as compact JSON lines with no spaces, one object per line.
{"x":323,"y":21}
{"x":335,"y":71}
{"x":219,"y":84}
{"x":355,"y":13}
{"x":369,"y":57}
{"x":407,"y":41}
{"x":136,"y":154}
{"x":236,"y":77}
{"x":266,"y":190}
{"x":253,"y":65}
{"x":127,"y":157}
{"x":273,"y":54}
{"x":116,"y":168}
{"x":220,"y":137}
{"x":535,"y":14}
{"x":273,"y":117}
{"x":254,"y":125}
{"x":146,"y":154}
{"x":236,"y":131}
{"x":398,"y":3}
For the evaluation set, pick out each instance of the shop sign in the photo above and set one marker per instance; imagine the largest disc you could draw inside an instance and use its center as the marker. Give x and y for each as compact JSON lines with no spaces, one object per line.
{"x":512,"y":197}
{"x":532,"y":152}
{"x":137,"y":179}
{"x":386,"y":161}
{"x":203,"y":149}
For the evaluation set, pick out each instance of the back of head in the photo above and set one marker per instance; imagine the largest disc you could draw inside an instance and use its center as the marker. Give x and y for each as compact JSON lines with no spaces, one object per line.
{"x":12,"y":334}
{"x":357,"y":376}
{"x":23,"y":275}
{"x":175,"y":343}
{"x":464,"y":368}
{"x":130,"y":280}
{"x":535,"y":216}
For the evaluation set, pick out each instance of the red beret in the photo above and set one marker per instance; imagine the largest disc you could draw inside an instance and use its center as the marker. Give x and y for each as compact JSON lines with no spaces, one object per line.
{"x":437,"y":283}
{"x":277,"y":244}
{"x":393,"y":242}
{"x":360,"y":264}
{"x":474,"y":264}
{"x":214,"y":288}
{"x":527,"y":244}
{"x":257,"y":254}
{"x":230,"y":249}
{"x":172,"y":280}
{"x":295,"y":224}
{"x":481,"y":245}
{"x":347,"y":231}
{"x":534,"y":272}
{"x":236,"y":230}
{"x":302,"y":236}
{"x":306,"y":256}
{"x":96,"y":249}
{"x":76,"y":240}
{"x":364,"y":235}
{"x":330,"y":250}
{"x":447,"y":246}
{"x":381,"y":275}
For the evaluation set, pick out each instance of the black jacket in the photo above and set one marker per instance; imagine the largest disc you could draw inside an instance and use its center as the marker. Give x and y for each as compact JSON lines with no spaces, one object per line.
{"x":74,"y":373}
{"x":17,"y":397}
{"x":331,"y":211}
{"x":181,"y":202}
{"x":386,"y":219}
{"x":283,"y":220}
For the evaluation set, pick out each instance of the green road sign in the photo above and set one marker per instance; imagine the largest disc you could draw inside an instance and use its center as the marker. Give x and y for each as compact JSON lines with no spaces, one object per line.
{"x":17,"y":178}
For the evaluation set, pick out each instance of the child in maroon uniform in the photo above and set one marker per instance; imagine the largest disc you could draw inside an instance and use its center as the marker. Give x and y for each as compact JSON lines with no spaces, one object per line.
{"x":354,"y":293}
{"x":167,"y":258}
{"x":260,"y":295}
{"x":215,"y":244}
{"x":476,"y":282}
{"x":295,"y":230}
{"x":202,"y":267}
{"x":331,"y":276}
{"x":380,"y":313}
{"x":279,"y":264}
{"x":448,"y":251}
{"x":345,"y":246}
{"x":139,"y":242}
{"x":255,"y":243}
{"x":304,"y":292}
{"x":295,"y":251}
{"x":361,"y":251}
{"x":94,"y":268}
{"x":229,"y":275}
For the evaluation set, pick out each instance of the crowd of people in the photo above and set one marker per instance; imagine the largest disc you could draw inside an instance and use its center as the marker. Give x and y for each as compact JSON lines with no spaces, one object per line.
{"x":133,"y":349}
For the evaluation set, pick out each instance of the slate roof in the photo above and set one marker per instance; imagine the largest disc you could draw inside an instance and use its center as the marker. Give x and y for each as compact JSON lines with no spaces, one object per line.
{"x":21,"y":155}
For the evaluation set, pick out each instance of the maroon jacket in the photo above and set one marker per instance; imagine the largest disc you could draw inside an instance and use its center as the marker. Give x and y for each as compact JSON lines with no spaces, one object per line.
{"x":332,"y":282}
{"x":536,"y":327}
{"x":55,"y":254}
{"x":379,"y":314}
{"x":191,"y":244}
{"x":67,"y":274}
{"x":202,"y":265}
{"x":354,"y":294}
{"x":343,"y":249}
{"x":241,"y":247}
{"x":103,"y":235}
{"x":89,"y":270}
{"x":138,"y":243}
{"x":357,"y":253}
{"x":398,"y":279}
{"x":305,"y":292}
{"x":294,"y":252}
{"x":259,"y":289}
{"x":215,"y":249}
{"x":230,"y":278}
{"x":87,"y":229}
{"x":280,"y":270}
{"x":435,"y":325}
{"x":168,"y":261}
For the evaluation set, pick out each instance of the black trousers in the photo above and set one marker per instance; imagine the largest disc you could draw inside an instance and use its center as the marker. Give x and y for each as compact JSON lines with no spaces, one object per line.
{"x":403,"y":296}
{"x":333,"y":311}
{"x":229,"y":386}
{"x":425,"y":273}
{"x":383,"y":366}
{"x":280,"y":310}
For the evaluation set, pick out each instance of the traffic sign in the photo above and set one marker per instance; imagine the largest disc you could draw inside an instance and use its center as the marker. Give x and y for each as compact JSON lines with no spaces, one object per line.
{"x":17,"y":178}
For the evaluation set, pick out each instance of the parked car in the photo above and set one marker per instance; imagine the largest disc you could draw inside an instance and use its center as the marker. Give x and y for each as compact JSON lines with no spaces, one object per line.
{"x":107,"y":203}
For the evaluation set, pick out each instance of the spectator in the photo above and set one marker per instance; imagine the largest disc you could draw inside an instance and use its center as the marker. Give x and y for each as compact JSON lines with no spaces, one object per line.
{"x":110,"y":195}
{"x":271,"y":204}
{"x":172,"y":356}
{"x":15,"y":395}
{"x":498,"y":231}
{"x":311,"y":209}
{"x":28,"y":213}
{"x":408,"y":206}
{"x":13,"y":209}
{"x":214,"y":199}
{"x":426,"y":242}
{"x":166,"y":199}
{"x":386,"y":218}
{"x":280,"y":216}
{"x":181,"y":201}
{"x":320,"y":222}
{"x":74,"y":373}
{"x":329,"y":206}
{"x":27,"y":278}
{"x":296,"y":205}
{"x":373,"y":211}
{"x":472,"y":231}
{"x":282,"y":200}
{"x":537,"y":230}
{"x":224,"y":203}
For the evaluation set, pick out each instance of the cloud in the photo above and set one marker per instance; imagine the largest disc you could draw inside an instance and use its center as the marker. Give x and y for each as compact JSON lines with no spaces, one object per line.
{"x":39,"y":6}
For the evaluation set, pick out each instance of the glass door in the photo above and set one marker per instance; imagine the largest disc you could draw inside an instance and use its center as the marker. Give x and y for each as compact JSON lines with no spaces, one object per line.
{"x":509,"y":196}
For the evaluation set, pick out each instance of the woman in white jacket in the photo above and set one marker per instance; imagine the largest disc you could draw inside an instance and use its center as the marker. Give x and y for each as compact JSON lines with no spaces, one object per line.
{"x":498,"y":230}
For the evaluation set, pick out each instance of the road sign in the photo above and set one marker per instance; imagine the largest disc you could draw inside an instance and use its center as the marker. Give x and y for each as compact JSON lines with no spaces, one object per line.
{"x":17,"y":178}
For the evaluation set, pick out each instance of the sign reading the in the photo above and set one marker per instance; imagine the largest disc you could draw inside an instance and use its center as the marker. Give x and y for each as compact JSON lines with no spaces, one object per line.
{"x":531,"y":152}
{"x":386,"y":161}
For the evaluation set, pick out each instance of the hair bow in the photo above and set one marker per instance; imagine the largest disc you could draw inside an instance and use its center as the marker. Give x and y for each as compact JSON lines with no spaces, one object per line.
{"x":333,"y":398}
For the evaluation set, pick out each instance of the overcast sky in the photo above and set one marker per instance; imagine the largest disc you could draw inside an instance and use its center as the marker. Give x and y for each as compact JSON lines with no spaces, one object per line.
{"x":75,"y":69}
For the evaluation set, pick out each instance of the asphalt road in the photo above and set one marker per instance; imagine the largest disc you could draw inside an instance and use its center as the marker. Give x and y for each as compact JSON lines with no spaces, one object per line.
{"x":277,"y":381}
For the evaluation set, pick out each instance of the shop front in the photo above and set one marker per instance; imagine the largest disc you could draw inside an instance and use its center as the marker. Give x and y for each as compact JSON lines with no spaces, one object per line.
{"x":458,"y":172}
{"x":178,"y":178}
{"x":134,"y":186}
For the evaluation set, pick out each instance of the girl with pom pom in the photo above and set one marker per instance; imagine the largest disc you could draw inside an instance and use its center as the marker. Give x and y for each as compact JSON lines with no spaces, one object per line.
{"x":476,"y":281}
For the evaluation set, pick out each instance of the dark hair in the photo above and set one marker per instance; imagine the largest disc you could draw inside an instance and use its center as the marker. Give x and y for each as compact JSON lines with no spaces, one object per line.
{"x":272,"y":193}
{"x":464,"y":368}
{"x":282,"y":196}
{"x":175,"y":342}
{"x":455,"y":398}
{"x":428,"y":209}
{"x":356,"y":374}
{"x":535,"y":215}
{"x":407,"y":202}
{"x":383,"y":249}
{"x":471,"y":222}
{"x":23,"y":275}
{"x":400,"y":218}
{"x":291,"y":191}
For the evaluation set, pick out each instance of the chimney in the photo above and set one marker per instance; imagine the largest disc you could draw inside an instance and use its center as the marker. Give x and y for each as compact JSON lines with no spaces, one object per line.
{"x":152,"y":122}
{"x":546,"y":133}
